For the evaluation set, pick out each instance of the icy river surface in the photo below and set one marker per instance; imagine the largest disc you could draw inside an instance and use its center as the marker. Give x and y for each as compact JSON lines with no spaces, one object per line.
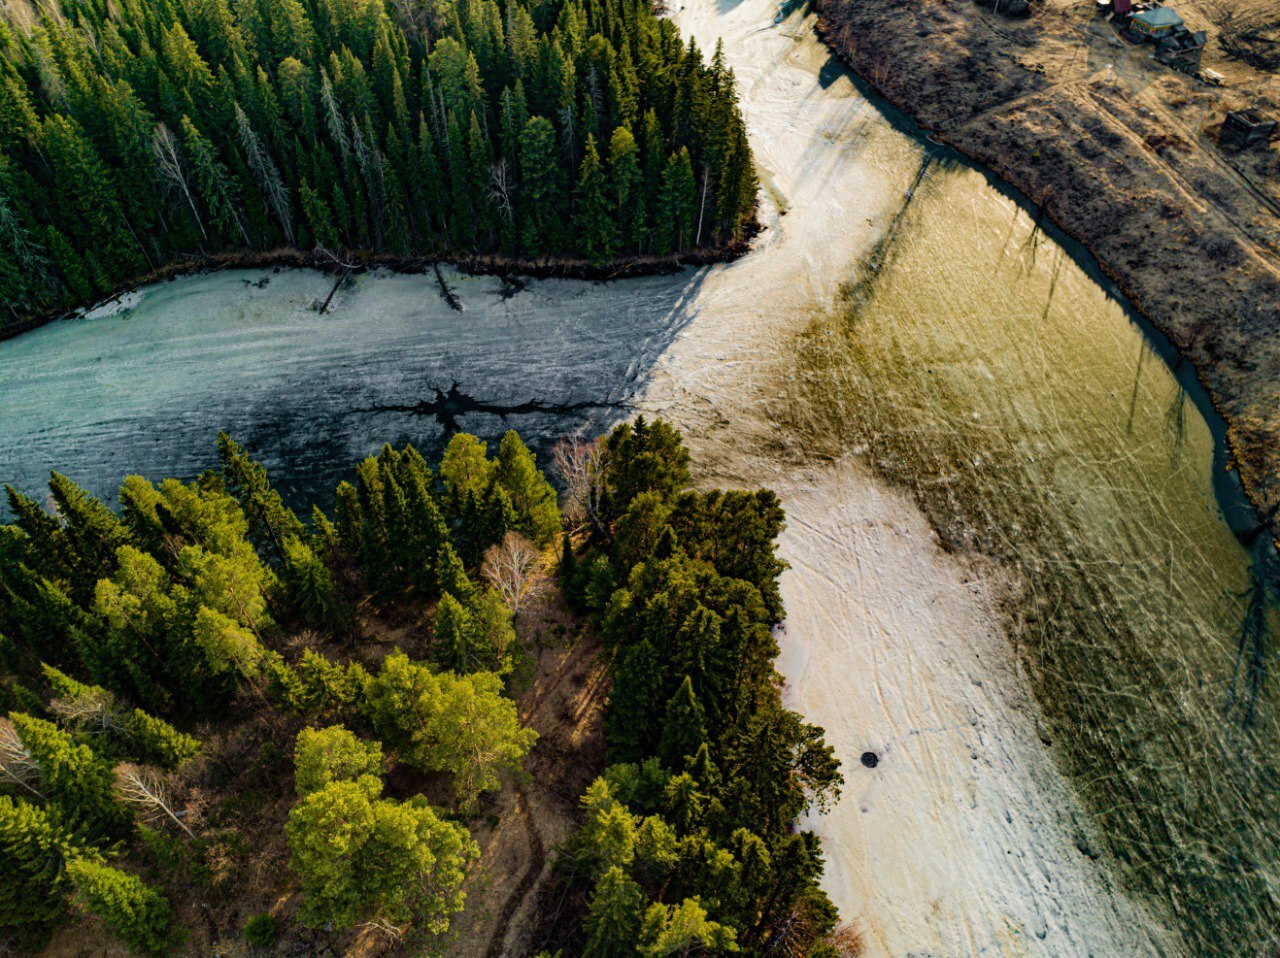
{"x":1021,"y":575}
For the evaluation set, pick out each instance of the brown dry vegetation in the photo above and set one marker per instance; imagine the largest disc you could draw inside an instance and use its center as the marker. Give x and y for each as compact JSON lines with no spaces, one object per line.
{"x":241,"y":789}
{"x":1121,"y":152}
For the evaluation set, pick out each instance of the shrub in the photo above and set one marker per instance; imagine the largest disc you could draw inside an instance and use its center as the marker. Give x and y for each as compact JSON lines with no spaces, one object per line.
{"x":261,"y":931}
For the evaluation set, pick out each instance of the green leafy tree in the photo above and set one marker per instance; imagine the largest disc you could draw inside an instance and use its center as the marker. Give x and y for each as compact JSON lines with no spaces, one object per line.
{"x":362,"y":858}
{"x":442,"y":722}
{"x":333,"y":754}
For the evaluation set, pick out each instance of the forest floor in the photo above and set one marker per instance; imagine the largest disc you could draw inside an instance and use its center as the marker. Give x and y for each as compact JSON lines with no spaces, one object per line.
{"x":1121,"y":152}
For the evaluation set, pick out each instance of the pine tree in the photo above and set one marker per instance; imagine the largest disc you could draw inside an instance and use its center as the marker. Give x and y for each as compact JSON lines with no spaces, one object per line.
{"x":333,"y":754}
{"x":33,"y":882}
{"x":364,"y":858}
{"x":532,"y":496}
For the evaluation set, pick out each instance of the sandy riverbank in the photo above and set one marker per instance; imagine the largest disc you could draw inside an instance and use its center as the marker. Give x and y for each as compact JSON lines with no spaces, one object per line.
{"x":1121,"y":151}
{"x":965,"y":839}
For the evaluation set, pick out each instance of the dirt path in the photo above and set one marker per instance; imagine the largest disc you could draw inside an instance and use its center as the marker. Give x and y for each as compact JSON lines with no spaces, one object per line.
{"x":564,"y":704}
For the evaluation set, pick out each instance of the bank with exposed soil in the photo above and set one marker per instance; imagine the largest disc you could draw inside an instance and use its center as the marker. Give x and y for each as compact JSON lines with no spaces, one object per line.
{"x":1108,"y":154}
{"x":481,"y":264}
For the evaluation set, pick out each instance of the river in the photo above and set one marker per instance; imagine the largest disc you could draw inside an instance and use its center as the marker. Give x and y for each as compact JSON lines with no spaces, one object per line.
{"x":1021,"y":573}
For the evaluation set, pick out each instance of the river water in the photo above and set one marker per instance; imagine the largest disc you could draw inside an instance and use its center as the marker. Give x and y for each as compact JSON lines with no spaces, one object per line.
{"x":1063,"y":670}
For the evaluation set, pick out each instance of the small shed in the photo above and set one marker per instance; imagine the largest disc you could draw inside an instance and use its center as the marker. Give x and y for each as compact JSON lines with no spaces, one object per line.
{"x":1155,"y":24}
{"x":1246,"y":127}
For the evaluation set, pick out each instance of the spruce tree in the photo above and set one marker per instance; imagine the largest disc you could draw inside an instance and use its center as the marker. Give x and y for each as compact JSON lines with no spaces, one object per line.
{"x":677,"y":204}
{"x":271,"y":522}
{"x":614,"y":914}
{"x":136,"y":913}
{"x":77,"y":784}
{"x":33,"y":882}
{"x":596,"y":229}
{"x":685,"y":728}
{"x":626,"y":190}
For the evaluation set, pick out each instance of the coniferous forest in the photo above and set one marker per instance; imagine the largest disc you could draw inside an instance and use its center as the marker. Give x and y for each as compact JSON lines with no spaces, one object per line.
{"x":140,"y":133}
{"x":199,"y":685}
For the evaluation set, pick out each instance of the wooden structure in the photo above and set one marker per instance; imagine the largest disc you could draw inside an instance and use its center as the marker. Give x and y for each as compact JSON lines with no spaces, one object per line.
{"x":1155,"y":24}
{"x":1245,"y":128}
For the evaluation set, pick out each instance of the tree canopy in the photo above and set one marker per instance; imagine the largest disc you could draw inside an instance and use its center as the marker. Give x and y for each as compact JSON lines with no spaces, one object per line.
{"x":140,"y":132}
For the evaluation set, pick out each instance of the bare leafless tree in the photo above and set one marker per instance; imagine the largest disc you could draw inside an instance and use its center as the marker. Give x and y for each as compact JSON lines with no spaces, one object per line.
{"x":500,"y":188}
{"x":89,"y":707}
{"x":146,"y":790}
{"x":512,"y":567}
{"x":386,"y":929}
{"x":581,"y":466}
{"x":17,"y":765}
{"x":164,"y":147}
{"x":265,"y":174}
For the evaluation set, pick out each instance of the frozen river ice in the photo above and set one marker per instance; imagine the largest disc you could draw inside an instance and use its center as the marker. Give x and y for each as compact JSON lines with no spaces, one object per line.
{"x":147,"y":388}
